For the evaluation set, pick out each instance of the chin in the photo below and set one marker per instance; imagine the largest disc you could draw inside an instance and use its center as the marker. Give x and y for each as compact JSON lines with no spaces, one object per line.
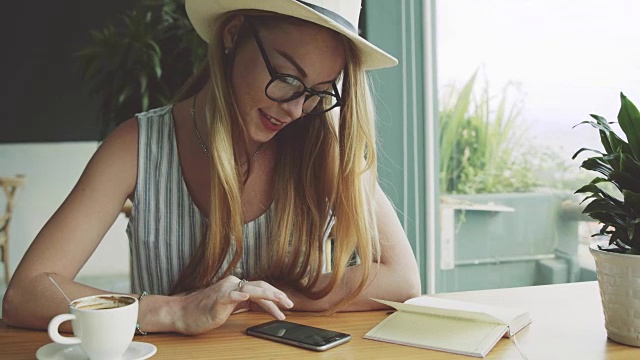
{"x":261,"y":137}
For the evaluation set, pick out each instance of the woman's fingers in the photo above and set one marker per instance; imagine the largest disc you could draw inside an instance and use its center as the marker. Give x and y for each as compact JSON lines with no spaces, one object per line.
{"x":271,"y":308}
{"x":260,"y":290}
{"x":238,"y":297}
{"x":267,"y":297}
{"x":209,"y":308}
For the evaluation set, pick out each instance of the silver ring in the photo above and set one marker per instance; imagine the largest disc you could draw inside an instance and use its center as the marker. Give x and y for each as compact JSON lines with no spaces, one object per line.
{"x":240,"y":283}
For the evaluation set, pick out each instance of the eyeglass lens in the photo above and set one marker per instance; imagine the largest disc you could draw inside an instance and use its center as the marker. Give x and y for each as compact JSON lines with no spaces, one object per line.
{"x":283,"y":88}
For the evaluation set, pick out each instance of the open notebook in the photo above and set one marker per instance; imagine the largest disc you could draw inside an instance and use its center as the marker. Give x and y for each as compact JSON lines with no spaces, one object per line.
{"x":448,"y":325}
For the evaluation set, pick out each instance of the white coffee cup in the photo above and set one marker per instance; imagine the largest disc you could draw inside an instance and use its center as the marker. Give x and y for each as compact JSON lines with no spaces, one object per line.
{"x":103,"y":325}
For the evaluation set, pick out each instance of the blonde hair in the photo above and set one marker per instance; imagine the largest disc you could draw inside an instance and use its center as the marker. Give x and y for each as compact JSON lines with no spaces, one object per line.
{"x":326,"y":167}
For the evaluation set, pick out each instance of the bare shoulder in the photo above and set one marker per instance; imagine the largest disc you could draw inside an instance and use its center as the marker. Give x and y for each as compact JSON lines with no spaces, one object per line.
{"x":116,"y":159}
{"x":124,"y":138}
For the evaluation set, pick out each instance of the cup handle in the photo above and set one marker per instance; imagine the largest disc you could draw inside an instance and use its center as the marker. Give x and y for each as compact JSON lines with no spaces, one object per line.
{"x":54,"y":324}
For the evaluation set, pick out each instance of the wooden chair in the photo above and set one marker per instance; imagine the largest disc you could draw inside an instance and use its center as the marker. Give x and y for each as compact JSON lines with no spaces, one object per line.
{"x":10,"y":185}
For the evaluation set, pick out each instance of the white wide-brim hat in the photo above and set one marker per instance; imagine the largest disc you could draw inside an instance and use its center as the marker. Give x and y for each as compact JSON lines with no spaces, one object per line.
{"x":338,"y":15}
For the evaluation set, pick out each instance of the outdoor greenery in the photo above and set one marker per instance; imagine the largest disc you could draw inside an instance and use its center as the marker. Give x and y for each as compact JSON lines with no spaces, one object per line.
{"x":618,"y":165}
{"x":486,"y":145}
{"x":139,"y":60}
{"x":480,"y":137}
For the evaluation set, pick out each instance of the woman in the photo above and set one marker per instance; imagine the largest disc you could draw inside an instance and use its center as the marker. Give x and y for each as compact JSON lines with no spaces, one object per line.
{"x":272,"y":144}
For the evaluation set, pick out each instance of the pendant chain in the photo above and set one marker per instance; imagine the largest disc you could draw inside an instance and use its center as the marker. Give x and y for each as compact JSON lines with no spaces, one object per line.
{"x":201,"y":141}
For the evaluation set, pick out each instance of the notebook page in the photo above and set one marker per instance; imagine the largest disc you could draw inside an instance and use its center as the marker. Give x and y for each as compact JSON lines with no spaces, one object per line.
{"x":503,"y":314}
{"x":438,"y":333}
{"x":460,"y":312}
{"x":518,"y":324}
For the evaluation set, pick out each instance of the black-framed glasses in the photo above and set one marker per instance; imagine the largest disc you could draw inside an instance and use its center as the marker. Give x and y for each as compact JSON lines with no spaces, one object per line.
{"x":286,"y":87}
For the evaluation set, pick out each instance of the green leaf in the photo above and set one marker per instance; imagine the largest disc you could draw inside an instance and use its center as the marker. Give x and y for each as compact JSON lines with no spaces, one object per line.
{"x":589,"y":188}
{"x":629,"y":119}
{"x":143,"y":91}
{"x":614,"y":160}
{"x":630,"y":225}
{"x":630,"y":165}
{"x":124,"y":95}
{"x":452,"y":123}
{"x":598,"y":194}
{"x":593,"y":196}
{"x":610,"y":140}
{"x":586,"y":149}
{"x":598,"y":164}
{"x":604,"y":206}
{"x":617,"y":238}
{"x":598,"y":180}
{"x":600,"y":123}
{"x":604,"y":139}
{"x":603,"y":230}
{"x":623,"y":181}
{"x":157,"y":67}
{"x":632,"y":199}
{"x":617,"y":144}
{"x":155,"y":47}
{"x":605,"y":218}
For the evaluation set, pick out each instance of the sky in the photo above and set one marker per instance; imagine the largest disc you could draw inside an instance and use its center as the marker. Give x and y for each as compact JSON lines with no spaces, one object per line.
{"x":571,"y":58}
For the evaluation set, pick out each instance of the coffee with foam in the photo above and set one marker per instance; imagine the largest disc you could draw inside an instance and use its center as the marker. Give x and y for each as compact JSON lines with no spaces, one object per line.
{"x":103,"y":325}
{"x":103,"y":303}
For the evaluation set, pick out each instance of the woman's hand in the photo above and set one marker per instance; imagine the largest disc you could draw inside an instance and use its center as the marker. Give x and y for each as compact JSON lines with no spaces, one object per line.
{"x":209,"y":308}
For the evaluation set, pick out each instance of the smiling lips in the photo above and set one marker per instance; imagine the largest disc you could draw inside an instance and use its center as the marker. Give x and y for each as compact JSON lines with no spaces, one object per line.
{"x":273,"y":120}
{"x":271,"y":123}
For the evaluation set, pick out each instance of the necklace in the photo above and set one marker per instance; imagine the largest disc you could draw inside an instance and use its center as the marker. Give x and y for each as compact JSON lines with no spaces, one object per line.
{"x":203,"y":145}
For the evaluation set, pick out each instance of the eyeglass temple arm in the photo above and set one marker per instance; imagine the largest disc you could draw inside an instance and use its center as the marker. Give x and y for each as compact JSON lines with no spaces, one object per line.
{"x":336,"y":93}
{"x":263,"y":52}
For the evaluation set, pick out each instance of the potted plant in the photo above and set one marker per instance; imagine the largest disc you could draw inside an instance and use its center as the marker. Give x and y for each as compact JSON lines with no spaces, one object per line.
{"x":139,"y":60}
{"x":615,"y":202}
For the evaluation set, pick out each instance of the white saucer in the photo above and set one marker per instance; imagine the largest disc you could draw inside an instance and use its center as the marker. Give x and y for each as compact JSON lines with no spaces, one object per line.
{"x":135,"y":351}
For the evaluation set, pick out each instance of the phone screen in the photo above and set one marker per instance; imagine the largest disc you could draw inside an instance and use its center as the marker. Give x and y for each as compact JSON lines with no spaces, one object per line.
{"x":300,"y":335}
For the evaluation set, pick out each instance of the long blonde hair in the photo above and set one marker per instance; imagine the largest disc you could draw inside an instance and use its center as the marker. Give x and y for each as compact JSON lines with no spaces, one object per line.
{"x":326,"y":167}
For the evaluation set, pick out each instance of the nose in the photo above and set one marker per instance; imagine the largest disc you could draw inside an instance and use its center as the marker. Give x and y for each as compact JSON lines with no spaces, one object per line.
{"x":293,"y":108}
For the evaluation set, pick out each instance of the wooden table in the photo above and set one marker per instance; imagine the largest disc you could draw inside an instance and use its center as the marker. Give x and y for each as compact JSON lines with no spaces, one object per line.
{"x":568,"y":323}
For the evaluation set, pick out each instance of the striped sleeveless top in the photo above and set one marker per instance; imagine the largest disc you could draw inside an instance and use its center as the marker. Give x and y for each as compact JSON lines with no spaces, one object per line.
{"x":165,"y":226}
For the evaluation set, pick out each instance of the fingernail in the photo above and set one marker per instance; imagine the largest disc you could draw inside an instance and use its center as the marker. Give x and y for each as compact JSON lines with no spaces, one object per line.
{"x":280,"y":317}
{"x":289,"y":304}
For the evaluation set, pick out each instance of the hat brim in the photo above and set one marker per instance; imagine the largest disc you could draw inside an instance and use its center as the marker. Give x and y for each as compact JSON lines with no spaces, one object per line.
{"x":204,"y":15}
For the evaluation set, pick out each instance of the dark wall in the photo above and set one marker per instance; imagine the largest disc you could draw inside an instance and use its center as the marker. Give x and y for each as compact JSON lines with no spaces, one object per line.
{"x":43,"y":97}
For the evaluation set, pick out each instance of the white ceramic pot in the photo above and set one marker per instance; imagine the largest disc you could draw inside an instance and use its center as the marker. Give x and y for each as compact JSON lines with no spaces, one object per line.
{"x":619,"y":281}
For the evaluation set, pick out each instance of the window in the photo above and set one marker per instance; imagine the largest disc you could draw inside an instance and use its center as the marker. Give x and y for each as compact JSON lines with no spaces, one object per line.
{"x":513,"y":78}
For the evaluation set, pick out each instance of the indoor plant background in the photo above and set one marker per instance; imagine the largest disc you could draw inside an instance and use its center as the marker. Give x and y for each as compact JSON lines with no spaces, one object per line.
{"x":139,"y":60}
{"x":614,"y":197}
{"x":618,"y":165}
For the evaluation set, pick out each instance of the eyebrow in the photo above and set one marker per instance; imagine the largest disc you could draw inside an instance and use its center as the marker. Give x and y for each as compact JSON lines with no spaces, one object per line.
{"x":298,"y":67}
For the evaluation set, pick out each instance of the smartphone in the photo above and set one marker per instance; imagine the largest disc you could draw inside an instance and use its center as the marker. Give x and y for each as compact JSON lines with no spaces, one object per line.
{"x":303,"y":336}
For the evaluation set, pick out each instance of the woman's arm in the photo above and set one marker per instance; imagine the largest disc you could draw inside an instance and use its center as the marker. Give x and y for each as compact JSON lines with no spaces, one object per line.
{"x":72,"y":234}
{"x":395,"y":278}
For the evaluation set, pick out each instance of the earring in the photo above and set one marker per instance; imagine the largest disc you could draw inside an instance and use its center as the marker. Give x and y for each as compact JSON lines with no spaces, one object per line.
{"x":226,"y":51}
